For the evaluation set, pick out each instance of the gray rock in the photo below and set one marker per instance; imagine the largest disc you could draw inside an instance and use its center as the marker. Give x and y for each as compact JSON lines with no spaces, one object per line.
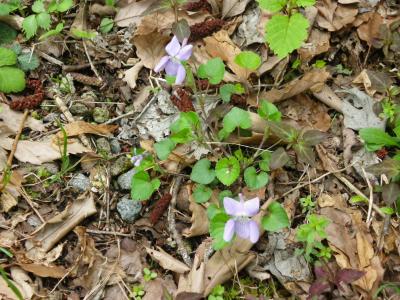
{"x":80,"y":182}
{"x":51,"y":167}
{"x":101,"y":115}
{"x":115,"y":146}
{"x":124,"y":180}
{"x":103,"y":146}
{"x":79,"y":109}
{"x":128,"y":209}
{"x":122,"y":164}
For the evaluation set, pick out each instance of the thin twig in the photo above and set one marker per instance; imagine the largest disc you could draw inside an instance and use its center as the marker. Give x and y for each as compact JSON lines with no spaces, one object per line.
{"x":171,"y":222}
{"x":16,"y":140}
{"x":93,"y":231}
{"x":90,"y":62}
{"x":371,"y":196}
{"x":28,"y":199}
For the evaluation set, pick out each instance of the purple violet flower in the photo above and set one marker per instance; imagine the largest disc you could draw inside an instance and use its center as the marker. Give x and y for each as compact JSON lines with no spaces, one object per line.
{"x":240,"y":222}
{"x":172,"y":62}
{"x":137,"y":159}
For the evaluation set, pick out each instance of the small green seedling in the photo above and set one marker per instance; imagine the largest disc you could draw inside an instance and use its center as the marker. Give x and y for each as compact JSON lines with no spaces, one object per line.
{"x":217,"y":293}
{"x":149,"y":275}
{"x":307,"y":204}
{"x":138,"y":292}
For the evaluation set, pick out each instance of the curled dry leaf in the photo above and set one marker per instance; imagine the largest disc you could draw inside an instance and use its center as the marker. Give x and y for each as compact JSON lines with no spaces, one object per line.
{"x":199,"y":217}
{"x":150,"y":47}
{"x":333,"y":16}
{"x":370,"y":31}
{"x":231,"y":8}
{"x":167,"y":261}
{"x":132,"y":13}
{"x":131,"y":75}
{"x":81,"y":127}
{"x":11,"y":192}
{"x":12,"y":119}
{"x":221,"y":45}
{"x":317,"y":43}
{"x":38,"y":153}
{"x":310,"y":80}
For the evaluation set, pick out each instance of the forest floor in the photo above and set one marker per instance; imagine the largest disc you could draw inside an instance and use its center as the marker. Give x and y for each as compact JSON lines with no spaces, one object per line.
{"x":121,"y":182}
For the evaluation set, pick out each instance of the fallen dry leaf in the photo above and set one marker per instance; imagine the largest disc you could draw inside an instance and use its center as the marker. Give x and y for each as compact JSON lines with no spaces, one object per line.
{"x":317,"y":43}
{"x":370,"y":30}
{"x":199,"y":217}
{"x":297,"y":86}
{"x":158,"y":289}
{"x":58,"y":226}
{"x":373,"y":81}
{"x":11,"y":192}
{"x":167,"y":261}
{"x":81,"y":127}
{"x":231,"y":8}
{"x":221,"y":45}
{"x":23,"y":282}
{"x":131,"y":75}
{"x":333,"y":16}
{"x":150,"y":47}
{"x":37,"y":153}
{"x":12,"y":120}
{"x":132,"y":13}
{"x":44,"y":271}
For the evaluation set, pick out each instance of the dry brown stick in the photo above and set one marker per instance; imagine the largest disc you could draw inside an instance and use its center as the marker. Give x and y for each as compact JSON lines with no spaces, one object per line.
{"x":28,"y":199}
{"x":16,"y":140}
{"x":90,"y":62}
{"x":171,"y":222}
{"x":64,"y":109}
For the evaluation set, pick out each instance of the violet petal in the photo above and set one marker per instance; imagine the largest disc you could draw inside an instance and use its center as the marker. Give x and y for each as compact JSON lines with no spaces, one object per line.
{"x":229,"y":230}
{"x":185,"y":53}
{"x":180,"y":74}
{"x":171,"y":68}
{"x":173,"y":47}
{"x":242,"y":228}
{"x":232,"y":207}
{"x":161,"y":65}
{"x":254,"y":232}
{"x":252,"y":206}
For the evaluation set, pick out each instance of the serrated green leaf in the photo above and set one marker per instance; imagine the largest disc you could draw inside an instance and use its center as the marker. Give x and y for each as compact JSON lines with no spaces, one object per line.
{"x":52,"y":32}
{"x":7,"y":34}
{"x":106,"y":25}
{"x":202,"y":193}
{"x":276,"y":219}
{"x":227,"y":170}
{"x":284,"y":131}
{"x":201,"y":172}
{"x":248,"y":60}
{"x":213,"y":70}
{"x":43,"y":20}
{"x":12,"y":80}
{"x":164,"y":148}
{"x":253,"y":180}
{"x":142,"y":186}
{"x":181,"y":29}
{"x":285,"y":34}
{"x":313,"y":137}
{"x":377,"y":138}
{"x":387,"y":210}
{"x":269,"y":111}
{"x":305,"y":153}
{"x":265,"y":161}
{"x":235,"y":118}
{"x":187,"y":120}
{"x":305,"y":3}
{"x":30,"y":26}
{"x":272,"y":5}
{"x":38,"y":7}
{"x":223,"y":194}
{"x":389,"y":167}
{"x":28,"y":62}
{"x":7,"y":57}
{"x":64,"y":5}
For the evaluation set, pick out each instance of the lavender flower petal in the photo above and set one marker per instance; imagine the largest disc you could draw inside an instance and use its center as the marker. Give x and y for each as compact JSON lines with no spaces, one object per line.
{"x":254,"y":232}
{"x":242,"y":228}
{"x":171,"y":68}
{"x":232,"y":207}
{"x":185,"y":53}
{"x":173,"y":47}
{"x":161,"y":65}
{"x":180,"y":75}
{"x":252,"y":206}
{"x":229,"y":230}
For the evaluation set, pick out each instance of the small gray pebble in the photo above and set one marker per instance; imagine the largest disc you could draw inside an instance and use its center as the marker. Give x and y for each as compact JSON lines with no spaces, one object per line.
{"x":124,"y":180}
{"x":103,"y":146}
{"x":115,"y":146}
{"x":122,"y":164}
{"x":128,"y":209}
{"x":80,"y":182}
{"x":101,"y":115}
{"x":79,"y":109}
